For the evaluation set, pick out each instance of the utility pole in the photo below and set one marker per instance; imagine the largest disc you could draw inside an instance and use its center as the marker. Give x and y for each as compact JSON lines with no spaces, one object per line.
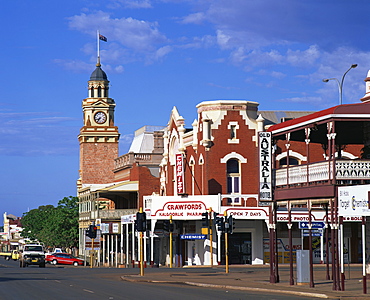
{"x":226,"y":244}
{"x":210,"y":235}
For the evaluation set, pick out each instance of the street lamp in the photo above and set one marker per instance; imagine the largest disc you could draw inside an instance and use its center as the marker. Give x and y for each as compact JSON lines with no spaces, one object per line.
{"x":340,"y":83}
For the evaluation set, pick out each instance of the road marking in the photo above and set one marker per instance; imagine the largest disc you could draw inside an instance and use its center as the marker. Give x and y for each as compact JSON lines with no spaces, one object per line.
{"x":89,"y":291}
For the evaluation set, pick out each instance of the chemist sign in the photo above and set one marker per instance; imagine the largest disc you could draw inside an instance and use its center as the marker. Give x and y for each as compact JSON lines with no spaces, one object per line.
{"x":180,"y":174}
{"x":354,"y":200}
{"x":265,"y":166}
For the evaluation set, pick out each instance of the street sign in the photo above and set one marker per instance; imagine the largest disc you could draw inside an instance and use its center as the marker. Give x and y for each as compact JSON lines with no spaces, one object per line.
{"x":314,"y":232}
{"x":193,"y":236}
{"x":314,"y":225}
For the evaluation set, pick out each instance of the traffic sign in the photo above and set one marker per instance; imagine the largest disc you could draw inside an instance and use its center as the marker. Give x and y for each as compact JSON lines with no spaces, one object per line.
{"x":314,"y":225}
{"x":314,"y":232}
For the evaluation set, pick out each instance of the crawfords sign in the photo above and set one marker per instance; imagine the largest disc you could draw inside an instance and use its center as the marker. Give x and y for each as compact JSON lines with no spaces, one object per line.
{"x":183,"y":208}
{"x":265,"y":163}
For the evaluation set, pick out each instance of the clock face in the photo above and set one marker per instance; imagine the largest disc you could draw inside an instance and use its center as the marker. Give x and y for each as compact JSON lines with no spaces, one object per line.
{"x":100,"y":117}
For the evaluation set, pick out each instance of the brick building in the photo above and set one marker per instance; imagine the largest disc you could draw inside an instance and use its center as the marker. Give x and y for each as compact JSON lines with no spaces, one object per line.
{"x":322,"y":176}
{"x":220,"y":162}
{"x":111,"y":186}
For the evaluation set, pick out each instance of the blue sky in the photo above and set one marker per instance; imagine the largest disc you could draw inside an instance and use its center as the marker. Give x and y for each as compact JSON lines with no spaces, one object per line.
{"x":159,"y":54}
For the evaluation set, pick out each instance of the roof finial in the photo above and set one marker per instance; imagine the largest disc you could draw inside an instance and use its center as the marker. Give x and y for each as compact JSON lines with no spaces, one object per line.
{"x":98,"y":62}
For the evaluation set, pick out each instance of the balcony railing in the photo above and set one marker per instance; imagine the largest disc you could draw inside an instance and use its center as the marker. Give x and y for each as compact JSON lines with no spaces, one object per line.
{"x":111,"y":214}
{"x":130,"y":158}
{"x":323,"y":171}
{"x":116,"y":213}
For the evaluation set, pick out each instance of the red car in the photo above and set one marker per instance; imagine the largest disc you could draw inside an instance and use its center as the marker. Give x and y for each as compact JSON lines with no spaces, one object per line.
{"x":64,"y":259}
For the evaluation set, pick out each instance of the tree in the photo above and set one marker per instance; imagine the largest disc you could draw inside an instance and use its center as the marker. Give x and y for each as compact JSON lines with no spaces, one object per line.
{"x":53,"y":226}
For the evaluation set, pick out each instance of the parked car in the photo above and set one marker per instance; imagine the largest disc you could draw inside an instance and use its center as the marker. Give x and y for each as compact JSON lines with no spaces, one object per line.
{"x":56,"y":250}
{"x":64,"y":259}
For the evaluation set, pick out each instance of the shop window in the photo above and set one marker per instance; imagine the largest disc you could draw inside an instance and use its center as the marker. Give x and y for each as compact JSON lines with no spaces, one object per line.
{"x":233,"y":180}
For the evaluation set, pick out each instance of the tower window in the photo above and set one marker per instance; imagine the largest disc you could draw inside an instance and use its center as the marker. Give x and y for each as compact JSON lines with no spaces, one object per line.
{"x":99,"y":91}
{"x":92,"y":92}
{"x":232,"y":132}
{"x":233,"y":128}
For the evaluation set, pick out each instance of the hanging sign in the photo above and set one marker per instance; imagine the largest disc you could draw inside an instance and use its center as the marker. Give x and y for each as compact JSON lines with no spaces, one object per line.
{"x":180,"y":174}
{"x":354,"y":200}
{"x":265,"y":166}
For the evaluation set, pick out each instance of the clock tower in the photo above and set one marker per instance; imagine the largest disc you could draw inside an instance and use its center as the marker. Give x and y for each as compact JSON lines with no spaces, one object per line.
{"x":98,"y":137}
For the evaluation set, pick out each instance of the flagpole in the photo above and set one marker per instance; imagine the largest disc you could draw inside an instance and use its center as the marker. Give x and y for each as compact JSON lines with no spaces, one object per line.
{"x":98,"y":33}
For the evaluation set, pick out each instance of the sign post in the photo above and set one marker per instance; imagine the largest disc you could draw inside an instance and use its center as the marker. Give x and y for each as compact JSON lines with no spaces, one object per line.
{"x":171,"y":247}
{"x":226,"y":246}
{"x":211,"y":235}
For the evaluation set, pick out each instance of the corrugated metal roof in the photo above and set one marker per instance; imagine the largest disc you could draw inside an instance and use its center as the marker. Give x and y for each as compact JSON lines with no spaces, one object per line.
{"x":344,"y":110}
{"x":143,"y":141}
{"x":278,"y":116}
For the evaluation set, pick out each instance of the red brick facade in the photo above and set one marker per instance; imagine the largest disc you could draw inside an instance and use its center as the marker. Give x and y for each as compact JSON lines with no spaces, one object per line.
{"x":97,"y":162}
{"x":206,"y":167}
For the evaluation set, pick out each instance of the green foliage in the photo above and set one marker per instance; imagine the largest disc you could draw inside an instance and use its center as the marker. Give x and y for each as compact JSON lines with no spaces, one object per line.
{"x":53,"y":226}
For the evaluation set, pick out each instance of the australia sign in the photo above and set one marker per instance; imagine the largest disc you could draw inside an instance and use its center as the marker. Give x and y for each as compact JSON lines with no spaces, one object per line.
{"x":265,"y":164}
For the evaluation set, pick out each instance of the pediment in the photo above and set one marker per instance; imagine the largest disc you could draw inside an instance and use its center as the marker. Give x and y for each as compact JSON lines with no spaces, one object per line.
{"x":100,"y":103}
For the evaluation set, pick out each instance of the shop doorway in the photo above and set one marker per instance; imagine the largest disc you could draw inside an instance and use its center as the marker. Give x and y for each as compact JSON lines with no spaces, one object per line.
{"x":240,"y":248}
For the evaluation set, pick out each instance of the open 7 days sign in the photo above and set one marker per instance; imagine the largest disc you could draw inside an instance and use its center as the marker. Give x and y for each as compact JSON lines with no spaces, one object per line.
{"x":265,"y":153}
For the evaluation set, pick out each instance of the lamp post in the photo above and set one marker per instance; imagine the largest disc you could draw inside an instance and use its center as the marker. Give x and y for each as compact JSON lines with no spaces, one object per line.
{"x":340,"y":83}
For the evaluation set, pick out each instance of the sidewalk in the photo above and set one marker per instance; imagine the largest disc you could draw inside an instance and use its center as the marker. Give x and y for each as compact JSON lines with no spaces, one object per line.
{"x":256,"y":278}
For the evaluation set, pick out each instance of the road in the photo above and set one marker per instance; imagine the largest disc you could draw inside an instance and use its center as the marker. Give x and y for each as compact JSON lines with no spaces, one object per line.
{"x":67,"y":282}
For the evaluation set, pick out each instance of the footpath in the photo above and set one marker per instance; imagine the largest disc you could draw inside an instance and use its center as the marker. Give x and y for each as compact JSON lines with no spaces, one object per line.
{"x":257,"y":279}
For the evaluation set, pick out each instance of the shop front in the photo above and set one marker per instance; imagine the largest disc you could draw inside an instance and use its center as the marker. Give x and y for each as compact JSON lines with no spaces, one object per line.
{"x":195,"y":246}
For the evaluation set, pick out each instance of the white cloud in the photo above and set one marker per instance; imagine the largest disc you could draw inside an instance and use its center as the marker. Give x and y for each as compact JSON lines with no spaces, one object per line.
{"x":129,"y":39}
{"x":161,"y":52}
{"x":131,"y":3}
{"x":303,"y":58}
{"x":251,"y":35}
{"x":196,"y":18}
{"x":38,"y":134}
{"x":274,"y":74}
{"x":73,"y":65}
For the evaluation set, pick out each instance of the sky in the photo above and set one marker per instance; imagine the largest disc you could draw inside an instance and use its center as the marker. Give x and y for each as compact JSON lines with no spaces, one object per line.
{"x":159,"y":54}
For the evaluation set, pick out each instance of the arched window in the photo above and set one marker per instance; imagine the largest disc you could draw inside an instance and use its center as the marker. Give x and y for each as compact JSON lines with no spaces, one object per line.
{"x":92,"y":92}
{"x":99,"y":91}
{"x":292,"y":162}
{"x":233,"y":180}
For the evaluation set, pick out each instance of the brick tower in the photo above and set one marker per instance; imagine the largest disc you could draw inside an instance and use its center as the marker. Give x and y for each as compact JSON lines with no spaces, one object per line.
{"x":98,"y":137}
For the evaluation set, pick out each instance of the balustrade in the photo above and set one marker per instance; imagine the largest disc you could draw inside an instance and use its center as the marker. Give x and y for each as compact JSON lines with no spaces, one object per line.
{"x":129,"y":159}
{"x":323,"y":171}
